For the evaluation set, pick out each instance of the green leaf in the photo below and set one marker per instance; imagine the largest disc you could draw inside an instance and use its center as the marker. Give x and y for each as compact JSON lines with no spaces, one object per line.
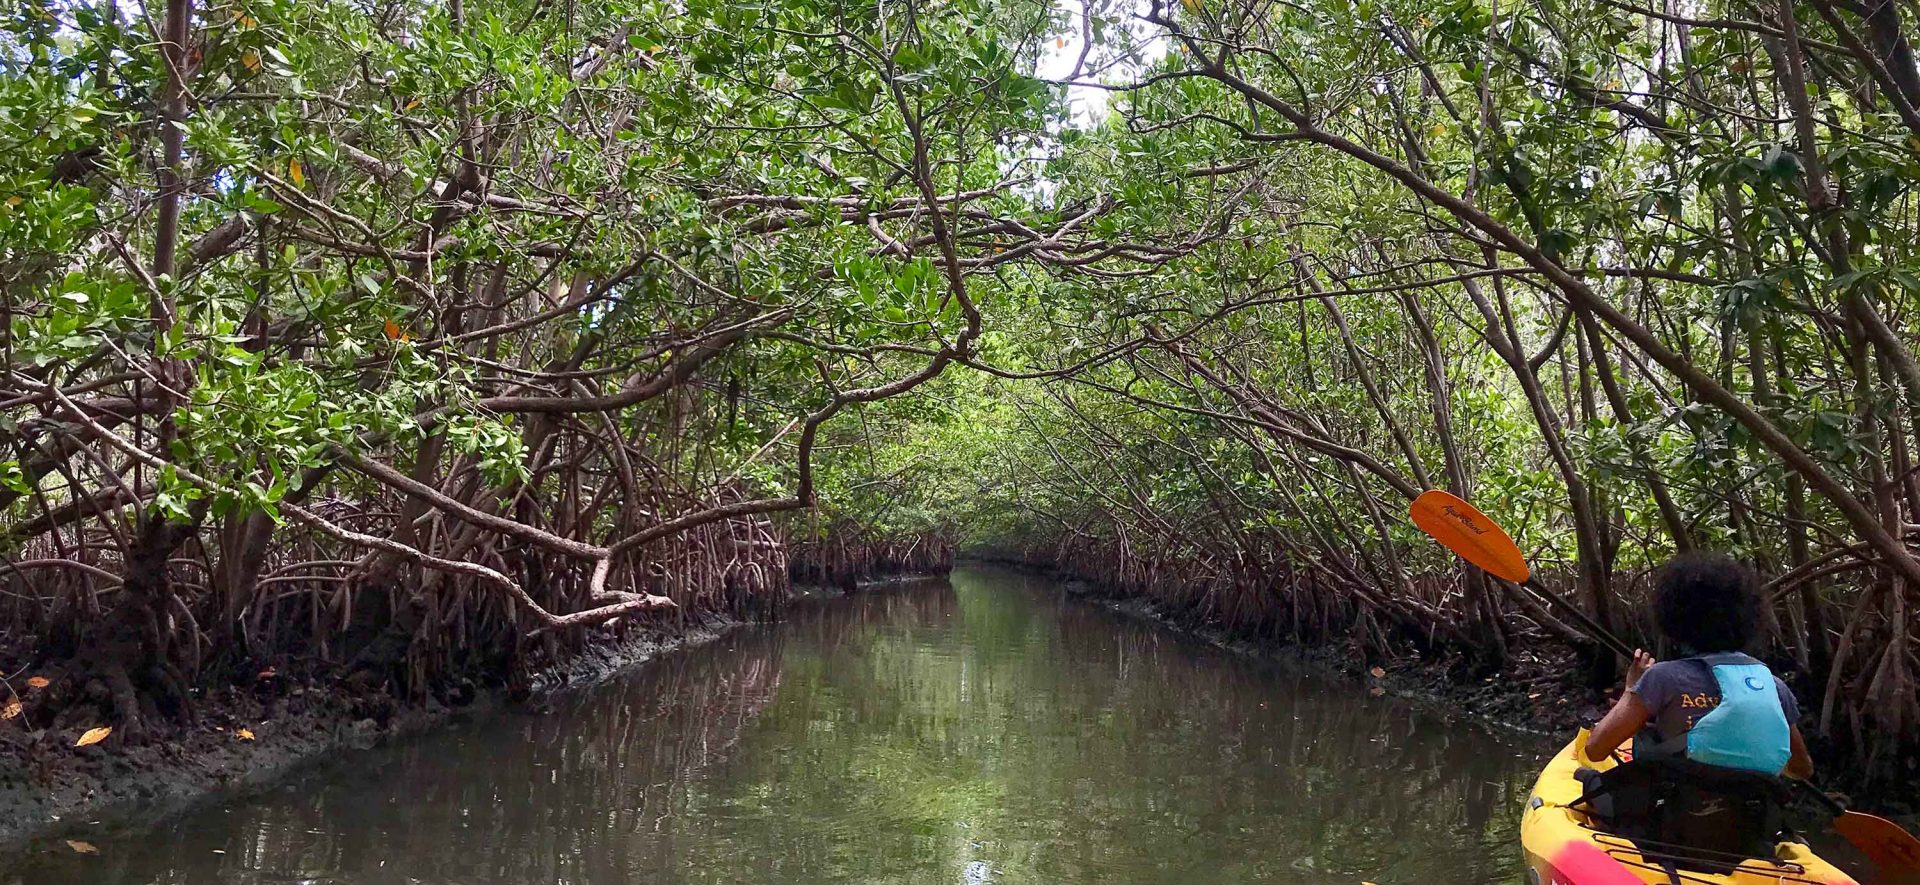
{"x":13,"y":479}
{"x":1781,"y":164}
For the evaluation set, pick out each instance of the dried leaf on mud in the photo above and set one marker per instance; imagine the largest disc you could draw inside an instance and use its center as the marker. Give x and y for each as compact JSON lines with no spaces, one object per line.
{"x":245,"y":734}
{"x":12,"y":709}
{"x":1378,"y":673}
{"x":39,"y":682}
{"x":80,"y":847}
{"x":94,"y":736}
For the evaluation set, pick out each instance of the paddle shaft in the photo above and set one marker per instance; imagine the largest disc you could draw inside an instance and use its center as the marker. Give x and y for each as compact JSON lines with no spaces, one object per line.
{"x":1593,"y":628}
{"x":1831,"y":803}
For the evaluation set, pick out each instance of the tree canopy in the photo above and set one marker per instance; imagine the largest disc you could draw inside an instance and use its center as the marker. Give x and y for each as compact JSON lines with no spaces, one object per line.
{"x":328,"y":321}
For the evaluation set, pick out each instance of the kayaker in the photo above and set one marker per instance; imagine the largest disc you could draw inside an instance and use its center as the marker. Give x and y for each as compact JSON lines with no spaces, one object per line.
{"x":1708,"y":605}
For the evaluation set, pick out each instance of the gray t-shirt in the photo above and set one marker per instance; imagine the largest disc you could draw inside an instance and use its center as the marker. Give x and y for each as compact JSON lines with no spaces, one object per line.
{"x":1677,"y":693}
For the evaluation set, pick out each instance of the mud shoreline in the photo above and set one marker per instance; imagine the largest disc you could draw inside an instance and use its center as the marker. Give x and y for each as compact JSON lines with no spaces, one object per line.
{"x":246,"y":742}
{"x":251,"y":738}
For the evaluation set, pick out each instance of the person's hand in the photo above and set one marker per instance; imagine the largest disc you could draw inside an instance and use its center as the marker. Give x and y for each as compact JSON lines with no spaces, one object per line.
{"x":1637,"y":669}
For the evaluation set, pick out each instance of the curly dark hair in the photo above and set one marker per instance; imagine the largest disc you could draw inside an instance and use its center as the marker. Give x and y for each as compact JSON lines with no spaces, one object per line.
{"x":1708,"y":602}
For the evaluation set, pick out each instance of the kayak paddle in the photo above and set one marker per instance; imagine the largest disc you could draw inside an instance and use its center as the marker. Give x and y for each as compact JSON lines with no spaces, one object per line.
{"x":1894,"y":851}
{"x":1462,"y":528}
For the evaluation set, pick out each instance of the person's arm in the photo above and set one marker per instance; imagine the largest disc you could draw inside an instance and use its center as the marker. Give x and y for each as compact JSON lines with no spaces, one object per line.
{"x":1628,"y":716}
{"x":1625,"y":720}
{"x":1800,"y":765}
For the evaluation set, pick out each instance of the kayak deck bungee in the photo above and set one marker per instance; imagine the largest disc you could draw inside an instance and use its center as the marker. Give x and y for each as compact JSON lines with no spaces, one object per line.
{"x":1564,"y":847}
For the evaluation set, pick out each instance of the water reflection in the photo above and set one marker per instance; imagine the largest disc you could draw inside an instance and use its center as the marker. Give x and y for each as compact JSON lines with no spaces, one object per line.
{"x":984,"y":730}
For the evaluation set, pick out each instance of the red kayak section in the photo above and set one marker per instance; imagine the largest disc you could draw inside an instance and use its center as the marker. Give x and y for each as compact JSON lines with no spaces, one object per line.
{"x":1583,"y":863}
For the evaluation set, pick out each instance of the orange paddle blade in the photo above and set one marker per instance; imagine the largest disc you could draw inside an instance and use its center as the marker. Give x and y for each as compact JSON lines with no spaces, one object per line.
{"x":1468,"y":532}
{"x":1893,"y":850}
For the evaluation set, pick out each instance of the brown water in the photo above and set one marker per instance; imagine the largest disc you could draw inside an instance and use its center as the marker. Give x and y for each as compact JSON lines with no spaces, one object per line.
{"x":979,"y":730}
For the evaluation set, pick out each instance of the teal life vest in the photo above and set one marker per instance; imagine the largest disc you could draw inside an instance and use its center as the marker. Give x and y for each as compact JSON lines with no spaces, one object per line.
{"x":1748,"y":730}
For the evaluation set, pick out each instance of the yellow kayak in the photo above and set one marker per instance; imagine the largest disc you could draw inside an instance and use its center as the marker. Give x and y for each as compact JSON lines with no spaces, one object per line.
{"x":1563,"y":846}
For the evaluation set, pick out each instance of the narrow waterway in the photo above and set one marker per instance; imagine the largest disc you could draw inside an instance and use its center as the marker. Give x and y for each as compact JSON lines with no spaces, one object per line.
{"x":982,"y":729}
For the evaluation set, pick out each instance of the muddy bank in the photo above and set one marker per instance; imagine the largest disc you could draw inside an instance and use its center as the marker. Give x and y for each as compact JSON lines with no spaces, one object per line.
{"x":250,"y":736}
